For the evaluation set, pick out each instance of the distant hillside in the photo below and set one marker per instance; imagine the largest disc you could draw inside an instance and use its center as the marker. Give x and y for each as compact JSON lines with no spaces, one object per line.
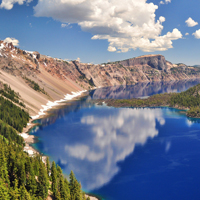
{"x":188,"y":100}
{"x":38,"y":78}
{"x":196,"y":65}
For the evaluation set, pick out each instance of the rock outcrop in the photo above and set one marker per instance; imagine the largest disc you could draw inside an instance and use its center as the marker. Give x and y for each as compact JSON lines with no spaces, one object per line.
{"x":57,"y":77}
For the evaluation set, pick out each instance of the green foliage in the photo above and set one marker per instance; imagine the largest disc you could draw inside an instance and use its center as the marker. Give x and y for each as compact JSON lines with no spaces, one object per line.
{"x":43,"y":182}
{"x":23,"y":177}
{"x":35,"y":85}
{"x":190,"y":100}
{"x":53,"y":178}
{"x":4,"y":195}
{"x":7,"y":92}
{"x":12,"y":114}
{"x":75,"y":187}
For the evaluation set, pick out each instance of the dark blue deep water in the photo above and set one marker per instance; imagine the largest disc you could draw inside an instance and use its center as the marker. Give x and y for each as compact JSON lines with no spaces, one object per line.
{"x":126,"y":153}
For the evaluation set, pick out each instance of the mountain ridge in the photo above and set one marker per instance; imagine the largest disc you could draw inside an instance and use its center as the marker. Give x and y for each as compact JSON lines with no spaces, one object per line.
{"x":39,"y":78}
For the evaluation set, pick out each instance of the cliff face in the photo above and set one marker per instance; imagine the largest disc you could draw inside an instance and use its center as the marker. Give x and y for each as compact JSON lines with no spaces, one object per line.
{"x":141,"y":69}
{"x":55,"y":77}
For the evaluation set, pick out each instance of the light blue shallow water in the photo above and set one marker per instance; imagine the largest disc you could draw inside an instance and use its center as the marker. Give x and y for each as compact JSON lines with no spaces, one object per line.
{"x":125,"y":153}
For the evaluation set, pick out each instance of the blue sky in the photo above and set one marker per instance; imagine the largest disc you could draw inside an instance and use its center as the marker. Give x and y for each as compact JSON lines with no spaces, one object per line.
{"x":99,"y":31}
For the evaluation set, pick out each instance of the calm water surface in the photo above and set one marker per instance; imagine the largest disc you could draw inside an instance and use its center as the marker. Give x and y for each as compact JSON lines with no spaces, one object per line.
{"x":126,"y":153}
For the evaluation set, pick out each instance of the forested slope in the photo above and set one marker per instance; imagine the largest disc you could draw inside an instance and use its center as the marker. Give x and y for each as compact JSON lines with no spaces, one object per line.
{"x":189,"y":100}
{"x":21,"y":176}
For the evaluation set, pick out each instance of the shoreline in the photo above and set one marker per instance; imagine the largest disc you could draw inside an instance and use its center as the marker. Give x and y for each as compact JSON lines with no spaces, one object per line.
{"x":31,"y":139}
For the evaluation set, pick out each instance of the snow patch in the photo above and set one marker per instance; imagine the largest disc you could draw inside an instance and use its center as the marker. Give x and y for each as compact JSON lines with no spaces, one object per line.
{"x":51,"y":104}
{"x":2,"y":46}
{"x":24,"y":135}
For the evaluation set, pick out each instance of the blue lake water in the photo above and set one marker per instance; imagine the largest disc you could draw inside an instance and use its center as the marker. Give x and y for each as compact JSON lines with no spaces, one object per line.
{"x":126,"y":153}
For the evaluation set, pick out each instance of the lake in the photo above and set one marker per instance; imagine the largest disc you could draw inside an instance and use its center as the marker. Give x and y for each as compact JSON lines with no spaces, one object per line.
{"x":126,"y":153}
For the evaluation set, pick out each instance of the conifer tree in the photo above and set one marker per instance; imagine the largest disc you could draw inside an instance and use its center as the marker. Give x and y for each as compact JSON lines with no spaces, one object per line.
{"x":75,"y":188}
{"x":23,"y":194}
{"x":31,"y":184}
{"x":14,"y":192}
{"x":3,"y":191}
{"x":43,"y":182}
{"x":3,"y":167}
{"x":66,"y":185}
{"x":48,"y":166}
{"x":53,"y":178}
{"x":63,"y":191}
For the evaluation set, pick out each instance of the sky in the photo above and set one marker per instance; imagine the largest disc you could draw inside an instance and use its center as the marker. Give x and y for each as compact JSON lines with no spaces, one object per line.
{"x":98,"y":31}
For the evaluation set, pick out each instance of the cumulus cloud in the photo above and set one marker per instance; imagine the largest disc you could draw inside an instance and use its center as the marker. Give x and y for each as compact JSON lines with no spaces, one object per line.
{"x":126,"y":25}
{"x":14,"y":41}
{"x":8,"y":4}
{"x":166,"y":2}
{"x":186,"y":33}
{"x":190,"y":22}
{"x":197,"y":34}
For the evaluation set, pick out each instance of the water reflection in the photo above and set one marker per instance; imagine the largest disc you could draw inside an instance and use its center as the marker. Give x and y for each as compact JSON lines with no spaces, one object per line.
{"x":105,"y":137}
{"x":143,"y":89}
{"x":96,"y":141}
{"x":121,"y":92}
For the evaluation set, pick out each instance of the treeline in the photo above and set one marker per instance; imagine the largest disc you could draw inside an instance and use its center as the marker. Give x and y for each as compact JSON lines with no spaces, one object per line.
{"x":7,"y":92}
{"x":189,"y":99}
{"x":28,"y":178}
{"x":35,"y":85}
{"x":13,"y":115}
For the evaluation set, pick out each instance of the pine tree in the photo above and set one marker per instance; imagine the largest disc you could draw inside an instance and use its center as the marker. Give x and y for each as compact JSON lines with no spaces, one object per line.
{"x":59,"y":171}
{"x":53,"y":178}
{"x":3,"y":166}
{"x":31,"y":184}
{"x":3,"y":191}
{"x":14,"y":193}
{"x":23,"y":194}
{"x":22,"y":174}
{"x":43,"y":182}
{"x":66,"y":185}
{"x":75,"y":188}
{"x":63,"y":192}
{"x":48,"y":166}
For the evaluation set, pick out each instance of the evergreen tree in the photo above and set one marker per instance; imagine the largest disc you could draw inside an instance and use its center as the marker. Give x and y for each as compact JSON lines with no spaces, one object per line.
{"x":3,"y":191}
{"x":48,"y":166}
{"x":31,"y":184}
{"x":66,"y":185}
{"x":3,"y":166}
{"x":23,"y":194}
{"x":75,"y":188}
{"x":43,"y":182}
{"x":63,"y":192}
{"x":14,"y":193}
{"x":53,"y":178}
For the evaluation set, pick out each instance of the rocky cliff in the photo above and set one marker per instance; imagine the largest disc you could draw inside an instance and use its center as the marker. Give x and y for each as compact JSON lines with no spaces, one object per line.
{"x":40,"y":78}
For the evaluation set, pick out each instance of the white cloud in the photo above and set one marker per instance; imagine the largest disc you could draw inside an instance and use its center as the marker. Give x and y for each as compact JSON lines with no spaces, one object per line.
{"x":166,"y":2}
{"x":14,"y":41}
{"x":197,"y":34}
{"x":126,"y":25}
{"x":186,"y":33}
{"x":190,"y":22}
{"x":8,"y":4}
{"x":63,"y":25}
{"x":112,"y":49}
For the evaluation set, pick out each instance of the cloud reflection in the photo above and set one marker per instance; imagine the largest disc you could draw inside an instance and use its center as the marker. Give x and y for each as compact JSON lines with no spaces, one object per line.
{"x":113,"y":138}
